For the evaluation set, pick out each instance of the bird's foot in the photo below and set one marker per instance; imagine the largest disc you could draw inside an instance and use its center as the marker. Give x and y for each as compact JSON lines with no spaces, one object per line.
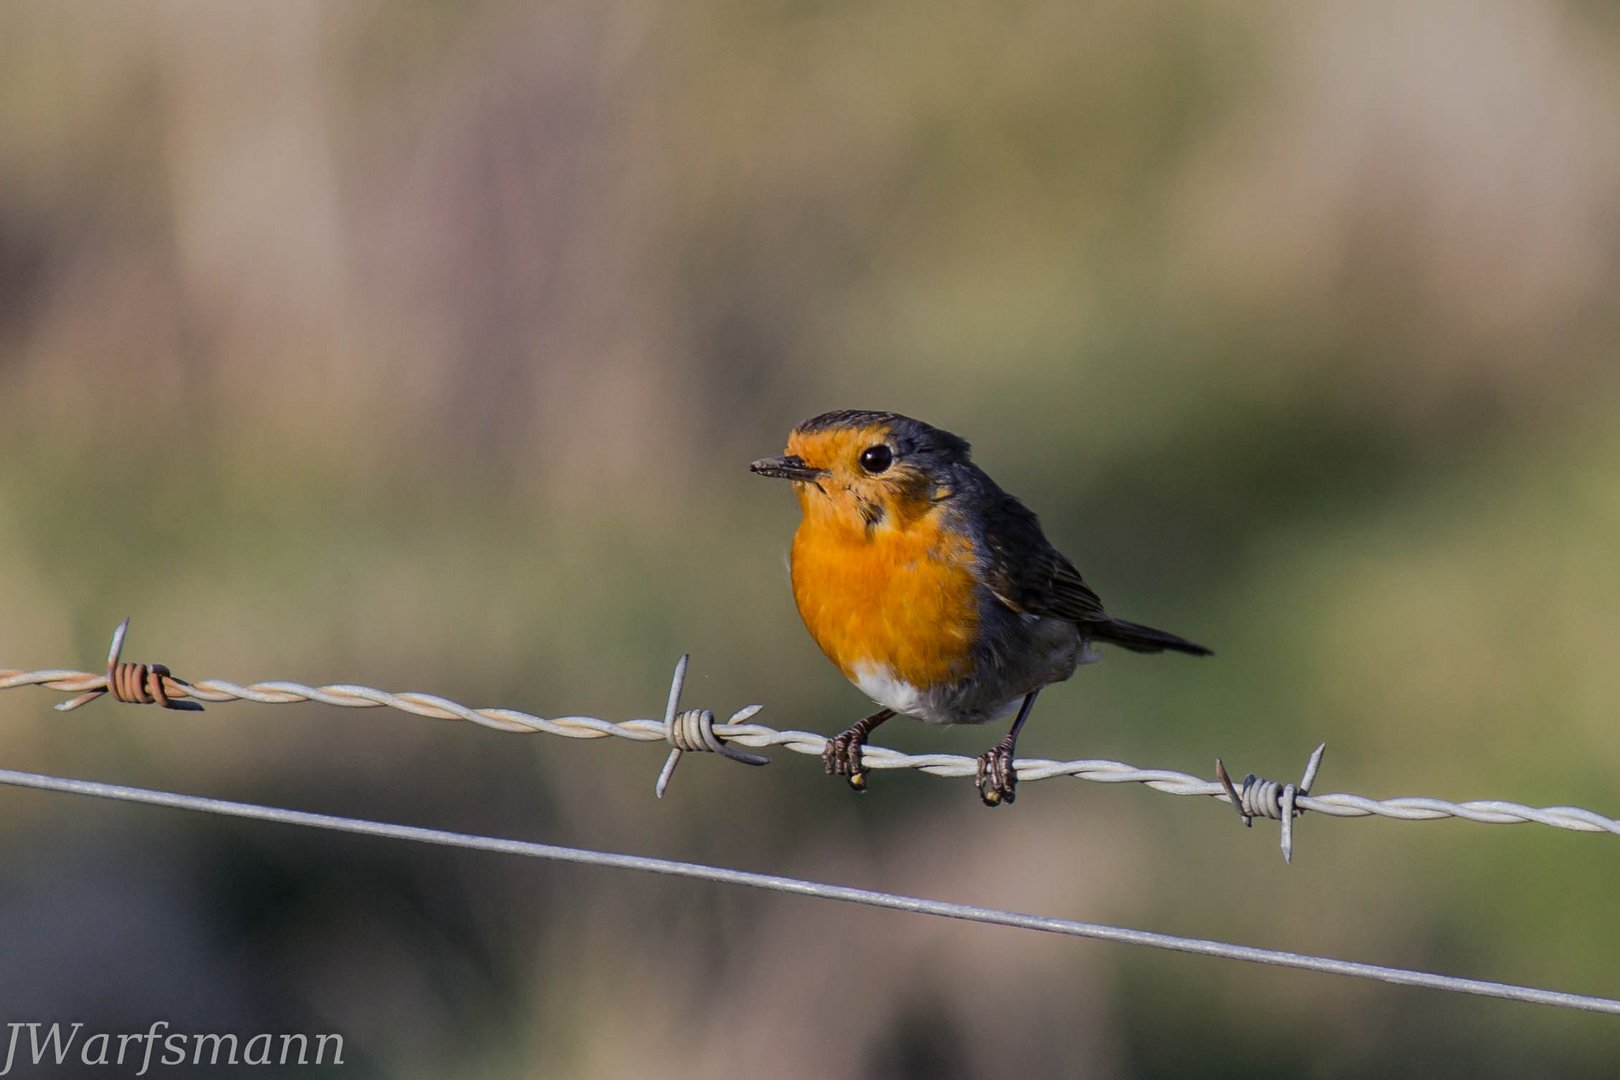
{"x":997,"y":780}
{"x":842,"y":757}
{"x":842,"y":754}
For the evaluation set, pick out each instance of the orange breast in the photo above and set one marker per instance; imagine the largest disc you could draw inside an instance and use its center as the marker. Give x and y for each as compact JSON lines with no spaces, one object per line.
{"x":900,"y":598}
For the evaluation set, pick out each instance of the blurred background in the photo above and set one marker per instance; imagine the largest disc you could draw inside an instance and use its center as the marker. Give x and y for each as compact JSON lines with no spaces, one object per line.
{"x":425,"y":346}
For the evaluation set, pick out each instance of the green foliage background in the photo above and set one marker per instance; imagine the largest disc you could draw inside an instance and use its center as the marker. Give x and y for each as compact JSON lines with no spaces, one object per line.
{"x":425,"y":346}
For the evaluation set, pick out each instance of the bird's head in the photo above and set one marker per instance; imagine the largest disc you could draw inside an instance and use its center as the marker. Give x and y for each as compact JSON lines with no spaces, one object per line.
{"x":864,"y":470}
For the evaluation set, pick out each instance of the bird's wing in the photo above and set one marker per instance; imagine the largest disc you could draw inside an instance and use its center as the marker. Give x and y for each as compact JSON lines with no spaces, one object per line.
{"x":1029,"y":575}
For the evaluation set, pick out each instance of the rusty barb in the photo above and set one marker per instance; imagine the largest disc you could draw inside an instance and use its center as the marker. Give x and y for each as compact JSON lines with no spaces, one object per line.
{"x":135,"y":684}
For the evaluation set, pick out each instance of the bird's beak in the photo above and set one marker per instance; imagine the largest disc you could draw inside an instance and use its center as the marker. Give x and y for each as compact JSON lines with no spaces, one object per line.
{"x":790,"y":467}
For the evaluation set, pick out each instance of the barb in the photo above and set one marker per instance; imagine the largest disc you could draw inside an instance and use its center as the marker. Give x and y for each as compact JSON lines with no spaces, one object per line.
{"x":136,"y":684}
{"x":693,"y":730}
{"x":1267,"y":798}
{"x":1410,"y":808}
{"x":819,"y":890}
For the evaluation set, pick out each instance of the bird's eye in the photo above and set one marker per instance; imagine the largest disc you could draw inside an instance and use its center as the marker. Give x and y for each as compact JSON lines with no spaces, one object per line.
{"x":874,"y":459}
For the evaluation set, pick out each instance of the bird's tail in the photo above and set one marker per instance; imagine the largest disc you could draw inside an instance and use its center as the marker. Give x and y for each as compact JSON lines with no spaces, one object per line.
{"x":1138,"y":638}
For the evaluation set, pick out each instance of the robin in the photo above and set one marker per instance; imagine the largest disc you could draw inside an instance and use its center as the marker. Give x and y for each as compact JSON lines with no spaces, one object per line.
{"x":933,"y":590}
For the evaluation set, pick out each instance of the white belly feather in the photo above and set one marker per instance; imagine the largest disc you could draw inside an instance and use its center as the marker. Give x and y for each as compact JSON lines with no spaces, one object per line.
{"x":879,"y":682}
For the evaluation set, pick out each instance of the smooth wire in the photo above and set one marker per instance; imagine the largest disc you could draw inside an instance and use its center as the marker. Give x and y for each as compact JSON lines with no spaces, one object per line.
{"x":821,"y":890}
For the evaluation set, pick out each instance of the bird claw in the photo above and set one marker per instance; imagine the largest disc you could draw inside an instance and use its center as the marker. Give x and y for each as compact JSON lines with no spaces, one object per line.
{"x":997,"y":780}
{"x":842,"y":757}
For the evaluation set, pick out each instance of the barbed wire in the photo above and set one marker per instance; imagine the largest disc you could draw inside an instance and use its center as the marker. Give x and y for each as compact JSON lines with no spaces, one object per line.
{"x":695,"y":730}
{"x":819,"y":890}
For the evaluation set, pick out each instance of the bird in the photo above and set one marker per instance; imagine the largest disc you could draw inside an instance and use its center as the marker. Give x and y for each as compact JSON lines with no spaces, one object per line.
{"x":932,"y":589}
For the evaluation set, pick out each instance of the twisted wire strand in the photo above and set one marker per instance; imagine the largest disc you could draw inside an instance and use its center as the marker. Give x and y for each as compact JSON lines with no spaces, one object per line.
{"x":695,"y":729}
{"x":1407,"y":808}
{"x":820,"y":890}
